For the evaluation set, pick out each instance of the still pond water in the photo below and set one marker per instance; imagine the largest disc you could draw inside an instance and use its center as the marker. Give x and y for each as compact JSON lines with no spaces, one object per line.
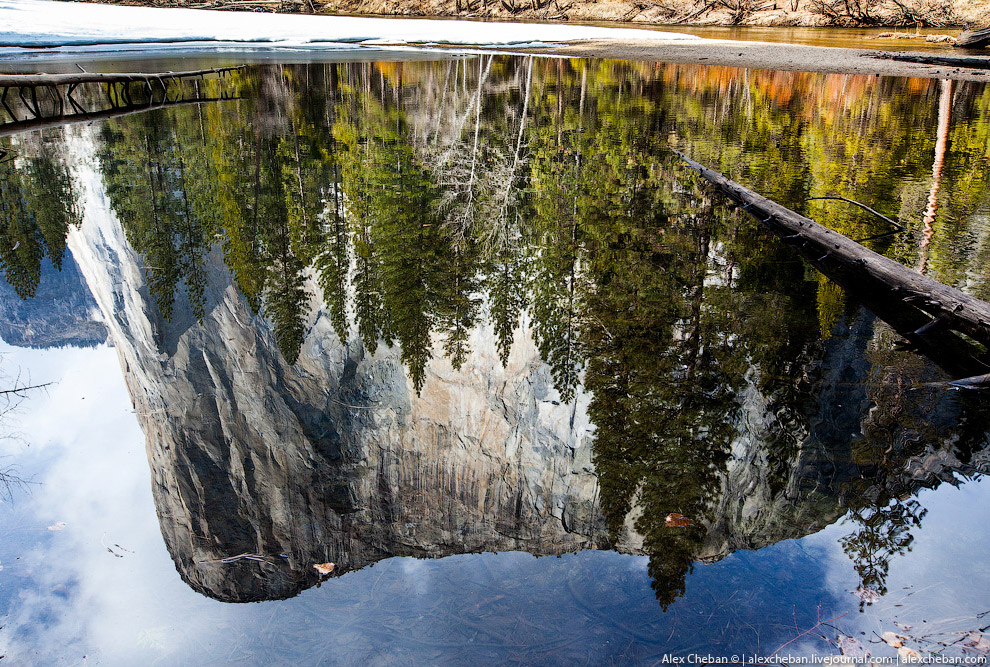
{"x":469,"y":331}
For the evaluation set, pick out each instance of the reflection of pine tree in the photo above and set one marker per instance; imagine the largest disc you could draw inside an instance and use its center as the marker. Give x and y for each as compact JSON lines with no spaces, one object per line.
{"x":408,"y":242}
{"x":374,"y":323}
{"x":664,"y":412}
{"x":555,"y":291}
{"x":174,"y":186}
{"x":883,"y":532}
{"x":284,"y":293}
{"x":52,"y":199}
{"x":505,"y":282}
{"x":391,"y":195}
{"x":21,"y":242}
{"x":147,"y":180}
{"x":332,"y":264}
{"x":458,"y":302}
{"x":285,"y":299}
{"x":37,"y":206}
{"x":904,"y":422}
{"x":311,"y":181}
{"x":662,"y":365}
{"x":425,"y":280}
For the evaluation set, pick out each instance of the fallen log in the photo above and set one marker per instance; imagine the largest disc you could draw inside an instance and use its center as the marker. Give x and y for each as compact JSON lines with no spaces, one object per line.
{"x":926,"y":306}
{"x":970,"y":62}
{"x":973,"y":39}
{"x":76,"y":78}
{"x":36,"y":124}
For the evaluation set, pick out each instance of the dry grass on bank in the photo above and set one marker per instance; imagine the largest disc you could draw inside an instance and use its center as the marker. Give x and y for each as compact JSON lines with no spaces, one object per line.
{"x":846,"y":13}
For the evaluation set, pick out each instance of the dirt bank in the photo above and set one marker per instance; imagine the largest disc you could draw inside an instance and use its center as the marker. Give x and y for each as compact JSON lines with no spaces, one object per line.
{"x":847,"y":13}
{"x":786,"y":57}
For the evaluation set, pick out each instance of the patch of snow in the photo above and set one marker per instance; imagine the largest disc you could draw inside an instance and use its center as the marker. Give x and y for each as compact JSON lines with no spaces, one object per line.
{"x":29,"y":24}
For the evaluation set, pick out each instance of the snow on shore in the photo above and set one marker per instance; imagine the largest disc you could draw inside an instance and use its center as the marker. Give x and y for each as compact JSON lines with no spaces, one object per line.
{"x":47,"y":23}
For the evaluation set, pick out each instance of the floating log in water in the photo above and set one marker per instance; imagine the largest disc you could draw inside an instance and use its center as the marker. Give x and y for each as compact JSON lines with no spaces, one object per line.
{"x":59,"y":88}
{"x":862,"y":270}
{"x":973,"y":39}
{"x":34,"y":124}
{"x":971,"y":62}
{"x":28,"y":80}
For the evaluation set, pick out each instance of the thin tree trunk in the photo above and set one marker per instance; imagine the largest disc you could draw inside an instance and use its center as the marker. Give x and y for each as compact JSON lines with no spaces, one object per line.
{"x":942,"y":142}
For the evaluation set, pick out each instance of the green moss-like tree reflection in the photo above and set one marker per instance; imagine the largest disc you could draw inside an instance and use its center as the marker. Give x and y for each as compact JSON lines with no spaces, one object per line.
{"x":416,"y":202}
{"x":38,"y":205}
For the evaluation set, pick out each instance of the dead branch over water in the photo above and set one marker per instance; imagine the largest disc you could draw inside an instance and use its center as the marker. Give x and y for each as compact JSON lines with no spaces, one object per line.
{"x":46,"y":100}
{"x":34,"y":124}
{"x":969,"y":62}
{"x":897,"y":291}
{"x":27,"y":80}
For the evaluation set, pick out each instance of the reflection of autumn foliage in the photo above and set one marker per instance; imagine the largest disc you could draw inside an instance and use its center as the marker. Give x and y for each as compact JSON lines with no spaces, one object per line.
{"x":510,"y":150}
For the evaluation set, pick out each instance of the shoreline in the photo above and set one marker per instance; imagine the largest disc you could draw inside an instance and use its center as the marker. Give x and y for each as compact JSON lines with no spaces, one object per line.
{"x":904,"y":14}
{"x":93,"y":31}
{"x":773,"y":56}
{"x":725,"y":53}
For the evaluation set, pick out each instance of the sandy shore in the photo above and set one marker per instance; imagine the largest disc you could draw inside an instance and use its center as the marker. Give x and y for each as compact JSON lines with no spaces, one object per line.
{"x":787,"y":57}
{"x":41,"y":29}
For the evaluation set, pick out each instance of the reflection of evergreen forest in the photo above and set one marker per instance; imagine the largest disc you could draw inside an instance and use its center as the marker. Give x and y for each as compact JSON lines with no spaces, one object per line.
{"x":38,"y":204}
{"x":417,"y":201}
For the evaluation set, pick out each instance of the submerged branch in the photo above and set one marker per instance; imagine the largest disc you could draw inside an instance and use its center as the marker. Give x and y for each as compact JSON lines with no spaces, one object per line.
{"x":919,"y":308}
{"x":17,"y":127}
{"x":28,"y":80}
{"x":972,"y":62}
{"x":19,"y":391}
{"x":899,"y":226}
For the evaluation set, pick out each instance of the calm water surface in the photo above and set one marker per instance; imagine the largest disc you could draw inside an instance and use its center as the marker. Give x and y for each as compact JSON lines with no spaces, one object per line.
{"x":470,"y":332}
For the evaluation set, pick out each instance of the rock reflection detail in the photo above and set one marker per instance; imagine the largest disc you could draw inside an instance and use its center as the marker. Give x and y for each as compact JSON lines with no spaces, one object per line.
{"x":475,"y":305}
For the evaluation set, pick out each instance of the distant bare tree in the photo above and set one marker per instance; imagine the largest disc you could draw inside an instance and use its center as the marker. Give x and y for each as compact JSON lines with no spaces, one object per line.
{"x":10,"y":399}
{"x":933,"y":13}
{"x":858,"y":12}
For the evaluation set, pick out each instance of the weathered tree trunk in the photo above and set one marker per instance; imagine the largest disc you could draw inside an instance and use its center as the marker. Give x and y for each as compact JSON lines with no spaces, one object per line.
{"x":973,"y":39}
{"x":941,"y":148}
{"x":28,"y":80}
{"x":35,"y":124}
{"x":860,"y":269}
{"x":972,"y":62}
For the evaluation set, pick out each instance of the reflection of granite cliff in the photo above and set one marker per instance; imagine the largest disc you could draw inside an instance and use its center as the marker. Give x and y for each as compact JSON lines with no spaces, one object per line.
{"x":61,"y":312}
{"x":336,"y":459}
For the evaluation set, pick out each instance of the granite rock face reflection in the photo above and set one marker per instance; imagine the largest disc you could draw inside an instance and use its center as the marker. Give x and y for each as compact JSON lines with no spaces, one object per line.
{"x":61,"y":312}
{"x":544,"y":359}
{"x":335,"y":458}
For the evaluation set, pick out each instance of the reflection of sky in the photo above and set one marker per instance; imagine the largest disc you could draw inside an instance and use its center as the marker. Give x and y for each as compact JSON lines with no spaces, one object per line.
{"x":942,"y":584}
{"x":64,"y":595}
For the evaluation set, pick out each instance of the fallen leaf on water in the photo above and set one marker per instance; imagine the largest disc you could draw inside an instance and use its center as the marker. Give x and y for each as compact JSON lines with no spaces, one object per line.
{"x":867,"y":595}
{"x":893,"y":639}
{"x":324,"y":568}
{"x":57,"y":526}
{"x":908,"y":654}
{"x":853,"y":648}
{"x":977,"y":642}
{"x":676,"y":521}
